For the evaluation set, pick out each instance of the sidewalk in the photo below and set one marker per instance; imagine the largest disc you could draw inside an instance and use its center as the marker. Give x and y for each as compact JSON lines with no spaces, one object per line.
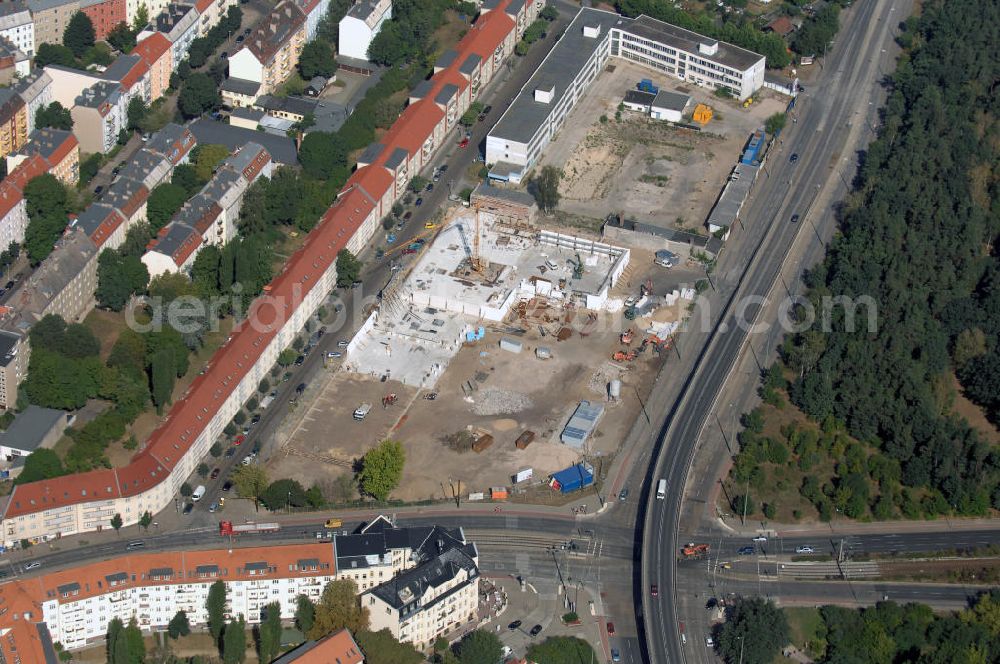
{"x":844,"y":527}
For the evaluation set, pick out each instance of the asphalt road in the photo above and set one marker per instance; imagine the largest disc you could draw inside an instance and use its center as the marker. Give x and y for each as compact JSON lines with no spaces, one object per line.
{"x":824,"y":115}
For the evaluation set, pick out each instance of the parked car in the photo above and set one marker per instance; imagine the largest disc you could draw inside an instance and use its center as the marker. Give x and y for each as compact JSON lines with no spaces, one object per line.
{"x":514,"y":625}
{"x":255,"y":419}
{"x":98,"y":190}
{"x":34,"y":565}
{"x":408,"y":251}
{"x":429,"y":187}
{"x":215,"y":473}
{"x":430,"y":225}
{"x":227,"y":486}
{"x":342,"y":343}
{"x":299,"y":360}
{"x":214,"y":507}
{"x":239,"y":40}
{"x":407,"y":215}
{"x":611,"y":628}
{"x":239,"y":440}
{"x":623,"y":495}
{"x":464,"y":143}
{"x":224,"y":55}
{"x":486,"y":111}
{"x":615,"y":655}
{"x":188,"y":508}
{"x":135,"y":544}
{"x":418,"y":202}
{"x":745,"y":551}
{"x":9,"y":285}
{"x":759,"y":539}
{"x":794,"y":158}
{"x":536,"y":630}
{"x":230,"y":452}
{"x":335,"y":354}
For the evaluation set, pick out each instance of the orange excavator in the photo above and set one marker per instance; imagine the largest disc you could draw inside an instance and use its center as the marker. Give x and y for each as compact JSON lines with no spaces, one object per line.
{"x":622,"y":356}
{"x":626,"y":337}
{"x":692,"y":550}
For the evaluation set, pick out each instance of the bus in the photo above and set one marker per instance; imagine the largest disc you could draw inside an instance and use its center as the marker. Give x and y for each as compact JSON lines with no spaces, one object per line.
{"x":661,"y":490}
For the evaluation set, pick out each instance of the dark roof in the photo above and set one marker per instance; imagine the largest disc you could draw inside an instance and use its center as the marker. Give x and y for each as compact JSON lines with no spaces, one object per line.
{"x":675,"y":101}
{"x":446,"y":58}
{"x":470,"y":64}
{"x":445,"y":95}
{"x":30,"y":427}
{"x":122,"y":65}
{"x":729,"y":55}
{"x":47,"y":646}
{"x":363,"y":9}
{"x":67,"y":588}
{"x":518,"y":197}
{"x":240,"y":86}
{"x":371,"y":153}
{"x":161,"y":571}
{"x":298,"y":105}
{"x":274,"y":30}
{"x":639,"y":97}
{"x":421,"y":90}
{"x":8,"y":346}
{"x":247,"y":113}
{"x":397,"y":157}
{"x":282,"y":148}
{"x":117,"y":577}
{"x":404,"y":591}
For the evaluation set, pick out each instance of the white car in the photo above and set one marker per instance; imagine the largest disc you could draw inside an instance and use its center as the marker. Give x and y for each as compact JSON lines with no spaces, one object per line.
{"x":760,"y":539}
{"x":34,"y":565}
{"x":804,"y":549}
{"x":709,"y":642}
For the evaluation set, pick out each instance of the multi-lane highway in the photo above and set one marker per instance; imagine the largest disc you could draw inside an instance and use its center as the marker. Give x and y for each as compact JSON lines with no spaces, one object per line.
{"x":832,"y":119}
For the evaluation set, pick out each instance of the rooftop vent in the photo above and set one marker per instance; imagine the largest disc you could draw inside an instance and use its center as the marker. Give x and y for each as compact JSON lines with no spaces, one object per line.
{"x":708,"y":48}
{"x":545,"y":96}
{"x":592,"y":31}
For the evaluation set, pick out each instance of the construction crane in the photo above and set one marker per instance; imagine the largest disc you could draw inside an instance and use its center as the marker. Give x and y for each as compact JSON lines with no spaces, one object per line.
{"x":475,"y":261}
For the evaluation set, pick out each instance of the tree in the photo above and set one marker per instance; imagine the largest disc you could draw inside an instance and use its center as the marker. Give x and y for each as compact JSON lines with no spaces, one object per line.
{"x":121,"y":38}
{"x":162,"y":377}
{"x":55,"y":115}
{"x":186,"y":489}
{"x":323,"y":155}
{"x":269,"y":632}
{"x":137,"y":110}
{"x":141,"y":18}
{"x":116,"y":522}
{"x":116,"y":643}
{"x":775,"y":123}
{"x":118,"y":278}
{"x":282,"y":494}
{"x":382,"y":468}
{"x":179,"y":625}
{"x":43,"y":463}
{"x":418,"y":183}
{"x":79,"y":34}
{"x":756,"y":630}
{"x":186,"y":176}
{"x":203,"y":469}
{"x":744,"y":504}
{"x":54,"y":54}
{"x":561,"y":650}
{"x":47,"y":205}
{"x":164,"y":202}
{"x":199,"y":94}
{"x":305,"y":613}
{"x":215,"y":450}
{"x":317,"y":59}
{"x":287,"y":357}
{"x":348,"y":268}
{"x":339,"y":608}
{"x":146,"y":520}
{"x":381,"y":647}
{"x":207,"y":158}
{"x":250,"y":482}
{"x":479,"y":647}
{"x":550,"y":13}
{"x":234,"y":644}
{"x":215,"y":606}
{"x":136,"y":647}
{"x":545,"y":188}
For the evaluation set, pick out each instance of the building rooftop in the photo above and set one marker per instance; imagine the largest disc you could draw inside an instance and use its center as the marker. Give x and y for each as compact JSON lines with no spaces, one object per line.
{"x":30,"y":427}
{"x":52,"y":145}
{"x":339,"y":647}
{"x":100,"y":94}
{"x":673,"y":101}
{"x":639,"y":97}
{"x":172,"y":16}
{"x":734,"y":194}
{"x":581,"y":424}
{"x":8,"y":346}
{"x":99,"y":221}
{"x":33,"y":85}
{"x":510,"y":195}
{"x":274,"y":30}
{"x":127,"y":195}
{"x":281,"y":148}
{"x":121,"y":70}
{"x":727,"y":54}
{"x":176,"y":240}
{"x":525,"y":116}
{"x":173,"y":142}
{"x":246,"y":113}
{"x":240,"y":86}
{"x":405,"y":591}
{"x":368,"y":10}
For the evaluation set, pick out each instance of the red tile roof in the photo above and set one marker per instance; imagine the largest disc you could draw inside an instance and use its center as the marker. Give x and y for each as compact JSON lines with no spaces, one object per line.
{"x":152,"y":48}
{"x":339,"y":647}
{"x":12,"y":188}
{"x":107,"y":227}
{"x":138,"y":70}
{"x":189,"y":416}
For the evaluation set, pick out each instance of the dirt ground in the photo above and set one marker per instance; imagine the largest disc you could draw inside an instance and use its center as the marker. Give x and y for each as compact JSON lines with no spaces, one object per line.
{"x":322,"y":438}
{"x":645,"y":168}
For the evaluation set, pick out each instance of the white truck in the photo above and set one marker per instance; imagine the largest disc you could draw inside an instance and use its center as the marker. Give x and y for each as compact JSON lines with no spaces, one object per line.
{"x":198,"y":493}
{"x":362,"y":411}
{"x":266,"y":401}
{"x":661,"y":490}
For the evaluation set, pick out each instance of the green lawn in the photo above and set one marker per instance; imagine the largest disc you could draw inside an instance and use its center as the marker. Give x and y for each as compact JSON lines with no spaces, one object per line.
{"x":805,"y":625}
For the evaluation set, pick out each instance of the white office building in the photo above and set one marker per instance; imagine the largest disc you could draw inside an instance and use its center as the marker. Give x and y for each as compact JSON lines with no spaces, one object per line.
{"x":540,"y":109}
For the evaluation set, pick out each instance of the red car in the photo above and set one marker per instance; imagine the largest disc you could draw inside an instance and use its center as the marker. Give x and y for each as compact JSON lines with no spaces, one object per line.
{"x":654,"y":590}
{"x":239,"y":439}
{"x":611,"y":629}
{"x":464,"y":143}
{"x":215,"y":473}
{"x":409,"y":251}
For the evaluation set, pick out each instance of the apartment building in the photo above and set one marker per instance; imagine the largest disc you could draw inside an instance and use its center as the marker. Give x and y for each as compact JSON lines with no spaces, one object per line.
{"x":339,"y":647}
{"x":13,"y":122}
{"x":179,"y":24}
{"x":51,"y":18}
{"x":210,"y":217}
{"x":33,"y":428}
{"x":59,"y":149}
{"x":131,"y":72}
{"x":314,"y":11}
{"x":158,"y":59}
{"x":540,"y":109}
{"x":211,"y":12}
{"x":105,"y":15}
{"x":435,"y":592}
{"x":173,"y":142}
{"x":269,"y":55}
{"x":13,"y":212}
{"x":99,"y":115}
{"x":127,"y":197}
{"x":79,"y":503}
{"x":36,"y":91}
{"x":153,"y":7}
{"x":10,"y":376}
{"x":13,"y":63}
{"x":360,"y":25}
{"x":17,"y":26}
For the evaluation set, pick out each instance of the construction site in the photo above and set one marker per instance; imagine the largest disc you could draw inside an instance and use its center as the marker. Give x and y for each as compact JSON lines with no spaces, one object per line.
{"x":504,"y":354}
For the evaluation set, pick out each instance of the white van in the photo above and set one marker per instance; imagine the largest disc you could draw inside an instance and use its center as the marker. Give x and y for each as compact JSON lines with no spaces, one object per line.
{"x":362,"y":411}
{"x":661,"y":490}
{"x":198,"y":493}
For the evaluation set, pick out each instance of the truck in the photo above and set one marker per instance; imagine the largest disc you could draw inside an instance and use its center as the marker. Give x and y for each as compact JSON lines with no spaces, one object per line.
{"x":361,"y":412}
{"x":226,"y":528}
{"x":573,"y":478}
{"x":661,"y":490}
{"x":692,"y":550}
{"x":266,"y":401}
{"x":198,"y":493}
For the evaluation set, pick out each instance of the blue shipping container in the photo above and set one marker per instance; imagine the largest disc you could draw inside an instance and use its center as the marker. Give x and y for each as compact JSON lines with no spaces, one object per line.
{"x":573,"y":478}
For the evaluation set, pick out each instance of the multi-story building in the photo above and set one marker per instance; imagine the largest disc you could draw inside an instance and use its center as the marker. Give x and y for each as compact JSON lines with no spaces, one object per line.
{"x":210,"y":217}
{"x":211,"y":12}
{"x":99,"y":115}
{"x":33,"y":428}
{"x":36,"y":91}
{"x":10,"y":376}
{"x":131,"y":72}
{"x":80,"y":503}
{"x":14,"y":64}
{"x":179,"y":24}
{"x":105,"y":15}
{"x":69,"y":83}
{"x":157,"y":56}
{"x":173,"y":142}
{"x":152,"y":7}
{"x":13,"y":122}
{"x":51,"y":18}
{"x":540,"y":109}
{"x":339,"y":647}
{"x":358,"y":28}
{"x":17,"y":26}
{"x":13,"y":213}
{"x":128,"y":196}
{"x":436,"y":590}
{"x":269,"y":55}
{"x":314,"y":11}
{"x":59,"y":149}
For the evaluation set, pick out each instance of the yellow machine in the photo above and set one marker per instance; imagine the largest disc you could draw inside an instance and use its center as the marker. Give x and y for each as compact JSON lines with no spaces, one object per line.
{"x":334,"y":523}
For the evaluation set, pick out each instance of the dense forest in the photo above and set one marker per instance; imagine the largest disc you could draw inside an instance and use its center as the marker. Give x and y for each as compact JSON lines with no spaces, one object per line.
{"x":885,"y":633}
{"x":919,"y":237}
